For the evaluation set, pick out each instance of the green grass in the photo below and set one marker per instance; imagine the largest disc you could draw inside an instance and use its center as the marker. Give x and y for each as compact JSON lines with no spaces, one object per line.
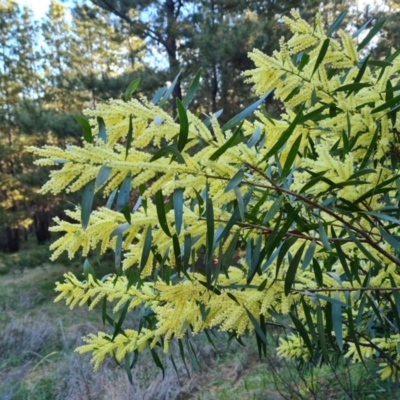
{"x":37,"y":360}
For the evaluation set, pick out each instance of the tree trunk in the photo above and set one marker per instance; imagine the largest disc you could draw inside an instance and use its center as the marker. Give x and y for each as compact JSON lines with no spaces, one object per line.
{"x":13,"y":239}
{"x":214,"y":88}
{"x":41,"y":221}
{"x":170,"y":46}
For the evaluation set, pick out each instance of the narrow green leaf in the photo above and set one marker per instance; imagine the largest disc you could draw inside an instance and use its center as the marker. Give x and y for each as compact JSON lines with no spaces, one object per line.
{"x":177,"y":253}
{"x":292,"y":270}
{"x":207,"y":121}
{"x":87,"y":129}
{"x":231,"y":296}
{"x":127,"y":366}
{"x":396,"y":296}
{"x":388,"y":104}
{"x":131,"y":88}
{"x":309,"y":320}
{"x":276,"y":206}
{"x":377,"y":312}
{"x":291,"y":157}
{"x":129,"y":137}
{"x":362,"y":172}
{"x":277,"y":235}
{"x":309,"y":255}
{"x":146,"y":248}
{"x":169,"y":91}
{"x":157,"y":361}
{"x":160,"y":92}
{"x":352,"y":87}
{"x":161,"y":214}
{"x":245,"y":113}
{"x":254,"y":138}
{"x":182,"y":353}
{"x":257,"y":327}
{"x":59,"y":161}
{"x":102,"y":176}
{"x":323,"y":236}
{"x":184,"y":125}
{"x":304,"y":61}
{"x":187,"y":249}
{"x":371,"y":34}
{"x":379,"y":64}
{"x":124,"y":192}
{"x":285,"y":135}
{"x":87,"y":203}
{"x":317,"y":272}
{"x":210,"y":225}
{"x":118,"y":327}
{"x":86,"y":269}
{"x":283,"y":250}
{"x":387,"y":237}
{"x":391,"y":56}
{"x":126,"y":213}
{"x":336,"y":24}
{"x":192,"y":90}
{"x":178,"y":209}
{"x":118,"y":252}
{"x":235,"y":181}
{"x":321,"y":333}
{"x":104,"y":310}
{"x":314,"y":98}
{"x":383,"y":187}
{"x":316,"y":179}
{"x":381,"y":216}
{"x":102,"y":129}
{"x":330,"y":300}
{"x":232,"y":220}
{"x":302,"y":332}
{"x":367,"y":253}
{"x":168,"y":150}
{"x":235,"y":139}
{"x":293,"y":93}
{"x":361,"y":71}
{"x":315,"y":115}
{"x":342,"y":256}
{"x":240,"y":201}
{"x":111,"y":199}
{"x":254,"y":260}
{"x":361,"y":308}
{"x":321,"y":55}
{"x":357,"y":32}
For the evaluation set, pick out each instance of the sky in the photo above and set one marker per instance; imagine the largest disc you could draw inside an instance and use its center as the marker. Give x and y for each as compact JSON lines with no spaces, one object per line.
{"x":39,"y":7}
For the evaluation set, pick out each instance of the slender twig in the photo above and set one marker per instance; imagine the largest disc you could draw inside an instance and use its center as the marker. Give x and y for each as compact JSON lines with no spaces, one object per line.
{"x":312,"y":203}
{"x":351,"y":289}
{"x":294,"y":233}
{"x":375,"y":347}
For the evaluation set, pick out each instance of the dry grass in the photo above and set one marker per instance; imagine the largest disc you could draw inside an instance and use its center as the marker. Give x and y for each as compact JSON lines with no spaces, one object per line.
{"x":37,"y":359}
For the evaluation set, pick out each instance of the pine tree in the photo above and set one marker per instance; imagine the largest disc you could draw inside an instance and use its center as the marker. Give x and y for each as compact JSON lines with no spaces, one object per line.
{"x":19,"y":88}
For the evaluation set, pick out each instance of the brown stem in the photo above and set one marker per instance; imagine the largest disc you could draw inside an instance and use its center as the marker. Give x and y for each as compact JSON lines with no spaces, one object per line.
{"x":305,"y":200}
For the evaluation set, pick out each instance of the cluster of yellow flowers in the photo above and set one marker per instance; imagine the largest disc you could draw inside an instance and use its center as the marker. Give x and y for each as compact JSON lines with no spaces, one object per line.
{"x":347,"y":97}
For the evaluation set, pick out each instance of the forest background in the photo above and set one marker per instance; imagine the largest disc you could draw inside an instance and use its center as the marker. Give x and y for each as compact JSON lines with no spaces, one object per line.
{"x":85,"y":52}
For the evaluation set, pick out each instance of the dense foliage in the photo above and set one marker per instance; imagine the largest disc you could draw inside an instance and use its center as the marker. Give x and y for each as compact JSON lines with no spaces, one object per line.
{"x":309,"y":204}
